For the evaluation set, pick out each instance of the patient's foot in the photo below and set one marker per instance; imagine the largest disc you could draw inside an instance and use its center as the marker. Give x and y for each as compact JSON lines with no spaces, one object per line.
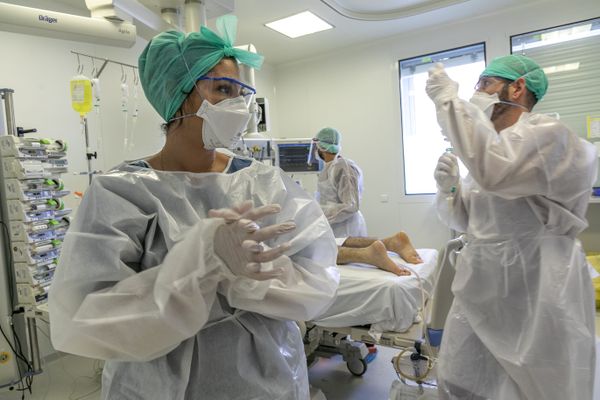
{"x":401,"y":245}
{"x":378,"y":257}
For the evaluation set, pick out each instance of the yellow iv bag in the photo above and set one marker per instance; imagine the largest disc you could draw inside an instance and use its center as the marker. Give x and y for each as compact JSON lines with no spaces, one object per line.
{"x":81,"y":94}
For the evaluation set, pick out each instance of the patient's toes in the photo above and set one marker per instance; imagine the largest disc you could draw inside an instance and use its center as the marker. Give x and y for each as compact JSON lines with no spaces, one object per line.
{"x":411,"y":256}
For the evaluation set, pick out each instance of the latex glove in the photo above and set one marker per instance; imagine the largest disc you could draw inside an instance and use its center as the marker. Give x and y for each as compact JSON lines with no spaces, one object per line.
{"x":238,"y":241}
{"x":440,"y":88}
{"x":446,"y":173}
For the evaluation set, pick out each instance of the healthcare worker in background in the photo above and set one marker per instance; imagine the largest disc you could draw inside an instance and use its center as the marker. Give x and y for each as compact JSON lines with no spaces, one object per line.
{"x":522,"y":322}
{"x":339,"y":187}
{"x":182,"y":302}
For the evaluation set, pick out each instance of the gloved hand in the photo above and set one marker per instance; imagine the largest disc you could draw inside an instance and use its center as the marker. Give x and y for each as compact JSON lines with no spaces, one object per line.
{"x":446,"y":173}
{"x":237,"y":242}
{"x":440,"y":88}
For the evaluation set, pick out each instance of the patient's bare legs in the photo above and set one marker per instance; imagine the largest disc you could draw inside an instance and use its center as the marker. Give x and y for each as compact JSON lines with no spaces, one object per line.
{"x":398,"y":243}
{"x":375,"y":254}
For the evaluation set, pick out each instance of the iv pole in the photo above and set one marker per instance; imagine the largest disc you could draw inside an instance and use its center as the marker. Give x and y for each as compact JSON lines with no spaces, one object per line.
{"x":95,"y":75}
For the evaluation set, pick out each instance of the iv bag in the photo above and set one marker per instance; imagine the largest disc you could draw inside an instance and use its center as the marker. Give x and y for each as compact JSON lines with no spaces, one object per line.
{"x":81,"y":94}
{"x":124,"y":97}
{"x":96,"y":93}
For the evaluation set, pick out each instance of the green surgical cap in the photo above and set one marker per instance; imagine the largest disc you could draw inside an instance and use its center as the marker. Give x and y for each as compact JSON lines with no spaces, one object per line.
{"x":172,"y":62}
{"x":329,"y":140}
{"x":514,"y":67}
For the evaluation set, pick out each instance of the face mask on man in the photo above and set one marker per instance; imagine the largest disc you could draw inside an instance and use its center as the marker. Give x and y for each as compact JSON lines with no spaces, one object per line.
{"x":223,"y":123}
{"x":318,"y":155}
{"x":485,"y":102}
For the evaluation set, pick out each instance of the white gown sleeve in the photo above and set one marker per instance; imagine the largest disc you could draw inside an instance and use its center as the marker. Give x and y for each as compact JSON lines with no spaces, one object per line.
{"x":452,"y":209}
{"x":309,"y":283}
{"x":538,"y":155}
{"x":100,"y":307}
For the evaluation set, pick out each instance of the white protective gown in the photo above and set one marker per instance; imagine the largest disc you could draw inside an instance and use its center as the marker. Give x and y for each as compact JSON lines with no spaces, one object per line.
{"x":522,"y":322}
{"x":139,"y":285}
{"x":340,"y":187}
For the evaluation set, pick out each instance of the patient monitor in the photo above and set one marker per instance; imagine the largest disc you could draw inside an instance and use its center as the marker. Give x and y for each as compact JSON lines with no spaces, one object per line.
{"x":291,"y":155}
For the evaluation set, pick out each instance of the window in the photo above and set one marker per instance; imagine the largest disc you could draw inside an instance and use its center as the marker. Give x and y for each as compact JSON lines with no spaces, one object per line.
{"x":570,"y":56}
{"x":422,"y":140}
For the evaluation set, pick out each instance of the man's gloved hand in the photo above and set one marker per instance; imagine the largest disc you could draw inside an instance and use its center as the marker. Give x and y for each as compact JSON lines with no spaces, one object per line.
{"x":446,"y":173}
{"x":440,"y":88}
{"x":238,"y":241}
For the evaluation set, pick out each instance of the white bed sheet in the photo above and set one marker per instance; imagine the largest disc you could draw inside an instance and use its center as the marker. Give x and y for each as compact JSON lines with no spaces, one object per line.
{"x":369,"y":295}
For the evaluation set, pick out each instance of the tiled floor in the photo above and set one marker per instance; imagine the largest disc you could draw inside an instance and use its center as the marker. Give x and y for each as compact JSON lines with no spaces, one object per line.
{"x":66,"y":378}
{"x":332,"y":376}
{"x":76,"y":378}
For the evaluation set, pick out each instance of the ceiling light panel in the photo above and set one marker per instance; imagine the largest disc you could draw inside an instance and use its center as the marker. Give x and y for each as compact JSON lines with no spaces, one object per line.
{"x":300,"y":24}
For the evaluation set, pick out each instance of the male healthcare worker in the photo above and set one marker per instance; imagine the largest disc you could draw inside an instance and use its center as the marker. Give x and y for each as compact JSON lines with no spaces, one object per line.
{"x":339,"y":187}
{"x":522,"y":322}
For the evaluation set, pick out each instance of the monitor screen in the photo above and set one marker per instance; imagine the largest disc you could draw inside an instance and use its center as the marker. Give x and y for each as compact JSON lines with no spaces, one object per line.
{"x":293,"y":157}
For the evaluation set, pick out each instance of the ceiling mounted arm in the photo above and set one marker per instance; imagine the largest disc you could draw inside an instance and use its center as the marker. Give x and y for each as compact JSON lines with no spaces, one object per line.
{"x":129,"y":10}
{"x":47,"y":23}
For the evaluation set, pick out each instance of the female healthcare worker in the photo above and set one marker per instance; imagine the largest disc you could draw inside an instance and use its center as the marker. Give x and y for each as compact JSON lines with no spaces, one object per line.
{"x":183,"y":302}
{"x":339,"y":187}
{"x":522,"y":322}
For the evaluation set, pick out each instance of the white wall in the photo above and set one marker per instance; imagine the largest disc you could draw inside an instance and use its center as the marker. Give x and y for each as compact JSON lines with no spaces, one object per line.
{"x":356,"y":90}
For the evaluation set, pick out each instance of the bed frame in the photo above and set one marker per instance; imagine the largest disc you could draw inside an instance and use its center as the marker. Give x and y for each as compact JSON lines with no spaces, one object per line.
{"x":422,"y":339}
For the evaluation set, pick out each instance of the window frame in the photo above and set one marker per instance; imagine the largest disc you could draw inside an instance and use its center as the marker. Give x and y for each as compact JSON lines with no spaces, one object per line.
{"x":416,"y":196}
{"x":510,"y":39}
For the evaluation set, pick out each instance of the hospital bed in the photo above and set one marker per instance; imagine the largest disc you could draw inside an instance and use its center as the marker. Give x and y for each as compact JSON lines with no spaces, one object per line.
{"x":403,"y":312}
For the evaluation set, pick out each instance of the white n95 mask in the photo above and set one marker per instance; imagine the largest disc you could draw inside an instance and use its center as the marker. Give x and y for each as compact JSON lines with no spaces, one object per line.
{"x":318,"y":157}
{"x":223,"y":123}
{"x":485,"y":102}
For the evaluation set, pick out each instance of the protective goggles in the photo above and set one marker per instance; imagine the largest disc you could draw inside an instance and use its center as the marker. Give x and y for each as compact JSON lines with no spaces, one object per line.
{"x":217,"y":89}
{"x":486,"y":82}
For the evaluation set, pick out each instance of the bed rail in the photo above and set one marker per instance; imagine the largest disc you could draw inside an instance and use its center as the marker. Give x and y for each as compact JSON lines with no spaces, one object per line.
{"x":442,"y":293}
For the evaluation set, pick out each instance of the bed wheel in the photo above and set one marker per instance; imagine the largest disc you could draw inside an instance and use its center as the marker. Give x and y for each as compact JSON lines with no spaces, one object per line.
{"x":357,"y":366}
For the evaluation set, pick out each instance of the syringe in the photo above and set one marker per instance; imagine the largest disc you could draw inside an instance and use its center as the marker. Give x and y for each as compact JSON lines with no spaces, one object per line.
{"x":453,"y":172}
